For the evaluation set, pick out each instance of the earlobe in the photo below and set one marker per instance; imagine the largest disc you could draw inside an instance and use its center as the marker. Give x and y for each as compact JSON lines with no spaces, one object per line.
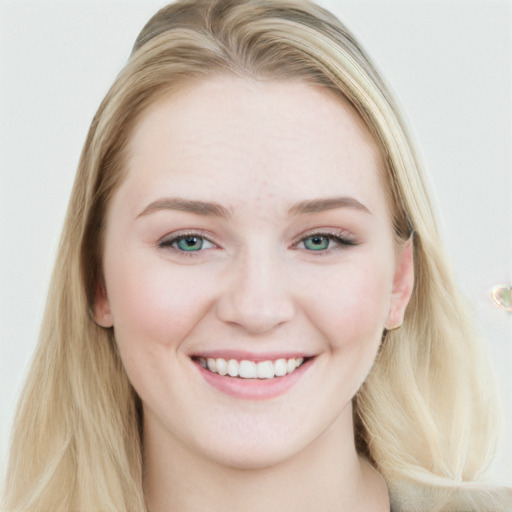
{"x":403,"y":284}
{"x":101,"y":310}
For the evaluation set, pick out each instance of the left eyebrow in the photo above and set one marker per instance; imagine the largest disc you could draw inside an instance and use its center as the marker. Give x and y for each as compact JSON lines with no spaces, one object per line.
{"x":328,"y":203}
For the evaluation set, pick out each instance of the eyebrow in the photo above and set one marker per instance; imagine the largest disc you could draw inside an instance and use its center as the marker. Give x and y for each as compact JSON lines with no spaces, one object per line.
{"x":210,"y":209}
{"x":324,"y":204}
{"x":187,"y":205}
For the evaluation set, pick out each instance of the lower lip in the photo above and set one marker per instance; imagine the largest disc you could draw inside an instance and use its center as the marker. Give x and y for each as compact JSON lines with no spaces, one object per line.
{"x":254,"y":389}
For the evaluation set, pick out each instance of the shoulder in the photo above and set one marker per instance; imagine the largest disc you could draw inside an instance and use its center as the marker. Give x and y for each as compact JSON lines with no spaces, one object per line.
{"x":459,"y":497}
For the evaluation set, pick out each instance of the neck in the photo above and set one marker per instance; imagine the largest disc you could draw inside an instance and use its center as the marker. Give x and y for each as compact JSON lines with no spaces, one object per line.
{"x":326,"y":475}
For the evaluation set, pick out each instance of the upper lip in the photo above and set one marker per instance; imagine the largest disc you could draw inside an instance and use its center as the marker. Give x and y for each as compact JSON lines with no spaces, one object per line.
{"x":241,"y":355}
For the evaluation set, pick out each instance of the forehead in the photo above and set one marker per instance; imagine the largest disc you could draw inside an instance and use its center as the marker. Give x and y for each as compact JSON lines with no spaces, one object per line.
{"x":289,"y":140}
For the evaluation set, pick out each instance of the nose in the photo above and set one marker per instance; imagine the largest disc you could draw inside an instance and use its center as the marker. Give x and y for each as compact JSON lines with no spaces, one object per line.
{"x":256,"y":295}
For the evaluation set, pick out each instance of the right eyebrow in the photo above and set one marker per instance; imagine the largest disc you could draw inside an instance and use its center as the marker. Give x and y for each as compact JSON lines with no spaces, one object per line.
{"x":187,"y":205}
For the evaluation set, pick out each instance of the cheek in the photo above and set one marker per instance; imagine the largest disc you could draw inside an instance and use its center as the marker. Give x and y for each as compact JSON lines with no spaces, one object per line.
{"x":154,"y":308}
{"x":154,"y":305}
{"x":352,"y":307}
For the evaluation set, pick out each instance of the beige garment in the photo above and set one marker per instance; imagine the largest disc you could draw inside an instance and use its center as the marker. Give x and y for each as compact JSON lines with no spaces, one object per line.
{"x":462,"y":497}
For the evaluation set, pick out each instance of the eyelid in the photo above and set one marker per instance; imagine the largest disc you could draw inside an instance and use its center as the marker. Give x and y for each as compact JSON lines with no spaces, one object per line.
{"x":342,"y":233}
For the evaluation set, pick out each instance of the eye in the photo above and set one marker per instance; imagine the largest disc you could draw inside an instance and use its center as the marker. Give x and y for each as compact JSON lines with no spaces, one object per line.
{"x":186,"y":243}
{"x":322,"y":242}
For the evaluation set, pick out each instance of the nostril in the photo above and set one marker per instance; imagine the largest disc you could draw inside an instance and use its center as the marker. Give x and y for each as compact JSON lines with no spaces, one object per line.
{"x":253,"y":316}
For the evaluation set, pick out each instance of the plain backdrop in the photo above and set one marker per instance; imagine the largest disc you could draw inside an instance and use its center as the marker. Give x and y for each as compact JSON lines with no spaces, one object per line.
{"x":449,"y":63}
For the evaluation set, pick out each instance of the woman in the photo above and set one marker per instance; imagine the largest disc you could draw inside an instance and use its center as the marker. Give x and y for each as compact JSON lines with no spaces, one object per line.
{"x":251,"y":308}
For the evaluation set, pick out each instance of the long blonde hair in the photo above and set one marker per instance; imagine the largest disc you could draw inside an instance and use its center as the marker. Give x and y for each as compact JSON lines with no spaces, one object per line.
{"x":426,"y":417}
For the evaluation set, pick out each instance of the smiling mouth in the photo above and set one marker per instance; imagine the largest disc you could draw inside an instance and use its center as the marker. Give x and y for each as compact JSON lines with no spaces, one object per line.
{"x":244,"y":369}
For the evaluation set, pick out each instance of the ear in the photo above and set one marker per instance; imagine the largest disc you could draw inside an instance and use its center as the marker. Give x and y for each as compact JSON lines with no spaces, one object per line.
{"x":101,"y":310}
{"x":403,"y":284}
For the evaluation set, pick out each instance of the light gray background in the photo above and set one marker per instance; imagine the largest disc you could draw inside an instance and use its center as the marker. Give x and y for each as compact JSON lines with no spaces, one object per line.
{"x":449,"y":63}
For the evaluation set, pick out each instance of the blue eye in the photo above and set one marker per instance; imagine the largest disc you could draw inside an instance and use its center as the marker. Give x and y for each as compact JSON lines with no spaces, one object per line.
{"x":187,"y":243}
{"x":324,"y":242}
{"x":317,"y":242}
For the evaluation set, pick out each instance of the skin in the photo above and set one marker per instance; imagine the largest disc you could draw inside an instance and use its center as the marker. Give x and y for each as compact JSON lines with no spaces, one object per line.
{"x":260,"y":152}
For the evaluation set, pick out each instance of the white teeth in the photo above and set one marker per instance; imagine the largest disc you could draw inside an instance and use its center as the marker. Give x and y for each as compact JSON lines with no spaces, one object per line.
{"x":280,"y":367}
{"x":212,"y":364}
{"x":222,"y":366}
{"x":233,"y":368}
{"x":265,"y":370}
{"x":249,"y":369}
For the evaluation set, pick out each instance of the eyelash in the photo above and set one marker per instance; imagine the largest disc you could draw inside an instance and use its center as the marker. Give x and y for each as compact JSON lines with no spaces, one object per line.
{"x":341,"y":240}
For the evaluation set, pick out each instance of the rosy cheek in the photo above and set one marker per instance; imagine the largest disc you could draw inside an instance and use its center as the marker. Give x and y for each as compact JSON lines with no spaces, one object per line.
{"x":353,"y":305}
{"x":156,"y":307}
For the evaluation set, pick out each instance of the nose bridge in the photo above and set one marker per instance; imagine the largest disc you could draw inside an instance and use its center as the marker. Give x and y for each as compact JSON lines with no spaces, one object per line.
{"x":257,"y":296}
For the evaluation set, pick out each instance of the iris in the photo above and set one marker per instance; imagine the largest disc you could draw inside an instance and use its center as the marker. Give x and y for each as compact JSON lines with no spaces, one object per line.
{"x":189,"y":243}
{"x":317,"y":243}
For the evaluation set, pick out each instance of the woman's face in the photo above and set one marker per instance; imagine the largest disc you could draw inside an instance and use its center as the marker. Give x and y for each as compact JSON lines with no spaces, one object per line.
{"x":251,"y":235}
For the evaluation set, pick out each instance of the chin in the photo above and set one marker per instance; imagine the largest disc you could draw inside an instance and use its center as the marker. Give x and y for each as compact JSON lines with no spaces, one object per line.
{"x":259,"y":445}
{"x":253,"y":459}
